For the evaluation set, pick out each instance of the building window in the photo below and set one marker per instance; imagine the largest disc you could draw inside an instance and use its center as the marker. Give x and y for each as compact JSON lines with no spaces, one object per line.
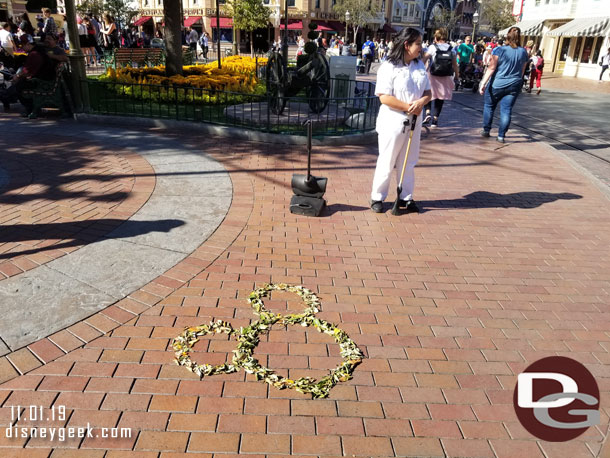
{"x":334,"y":2}
{"x":317,"y":4}
{"x":291,"y":2}
{"x":577,"y":48}
{"x":565,"y":45}
{"x":265,"y":2}
{"x":598,"y":48}
{"x":586,"y":51}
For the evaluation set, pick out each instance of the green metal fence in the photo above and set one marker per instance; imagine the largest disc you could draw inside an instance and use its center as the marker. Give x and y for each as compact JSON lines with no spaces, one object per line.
{"x":352,"y":107}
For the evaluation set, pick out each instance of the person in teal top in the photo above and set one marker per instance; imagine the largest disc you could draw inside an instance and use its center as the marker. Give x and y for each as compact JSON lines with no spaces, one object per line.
{"x":464,"y":53}
{"x":502,"y":82}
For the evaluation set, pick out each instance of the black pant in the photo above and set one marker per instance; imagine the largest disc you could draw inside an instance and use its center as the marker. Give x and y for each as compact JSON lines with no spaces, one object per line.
{"x":438,"y":106}
{"x":14,"y":92}
{"x":604,"y":68}
{"x":368,"y":60}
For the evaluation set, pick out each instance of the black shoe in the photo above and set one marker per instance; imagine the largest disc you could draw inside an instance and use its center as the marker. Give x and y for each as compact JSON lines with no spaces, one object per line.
{"x":412,"y":207}
{"x":377,"y":206}
{"x":402,"y":203}
{"x":485,"y":133}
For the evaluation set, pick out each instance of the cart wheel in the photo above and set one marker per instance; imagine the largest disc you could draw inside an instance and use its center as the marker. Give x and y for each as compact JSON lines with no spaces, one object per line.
{"x":275,"y":83}
{"x":318,"y":91}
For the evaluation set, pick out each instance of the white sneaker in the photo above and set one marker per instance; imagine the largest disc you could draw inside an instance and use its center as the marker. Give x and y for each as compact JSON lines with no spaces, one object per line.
{"x":427,"y":119}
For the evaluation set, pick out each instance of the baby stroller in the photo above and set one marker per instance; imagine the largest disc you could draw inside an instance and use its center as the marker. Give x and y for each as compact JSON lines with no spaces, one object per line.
{"x":470,"y":77}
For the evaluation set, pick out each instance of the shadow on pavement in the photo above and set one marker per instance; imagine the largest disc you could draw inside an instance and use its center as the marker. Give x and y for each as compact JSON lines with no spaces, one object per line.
{"x":485,"y":199}
{"x":336,"y":208}
{"x":78,"y":233}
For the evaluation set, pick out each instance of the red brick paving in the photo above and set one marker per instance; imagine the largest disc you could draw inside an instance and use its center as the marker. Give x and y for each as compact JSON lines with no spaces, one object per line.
{"x":63,"y":194}
{"x":448,"y":305}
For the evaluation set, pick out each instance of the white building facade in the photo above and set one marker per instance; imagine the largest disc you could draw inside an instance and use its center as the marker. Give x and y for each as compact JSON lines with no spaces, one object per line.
{"x":572,"y":34}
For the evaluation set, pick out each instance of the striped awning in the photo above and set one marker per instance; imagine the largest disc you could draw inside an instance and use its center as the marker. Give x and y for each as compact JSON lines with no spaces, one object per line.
{"x":532,"y":28}
{"x":583,"y":27}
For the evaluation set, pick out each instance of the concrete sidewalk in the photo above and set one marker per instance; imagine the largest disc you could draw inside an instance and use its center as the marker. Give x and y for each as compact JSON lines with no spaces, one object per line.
{"x":508,"y":263}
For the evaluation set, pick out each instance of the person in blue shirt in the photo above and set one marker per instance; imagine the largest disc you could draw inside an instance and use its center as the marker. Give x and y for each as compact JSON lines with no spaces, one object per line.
{"x":368,"y":54}
{"x":502,"y":82}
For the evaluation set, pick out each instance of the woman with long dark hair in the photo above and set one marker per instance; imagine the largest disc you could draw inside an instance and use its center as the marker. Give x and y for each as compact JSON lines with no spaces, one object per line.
{"x":110,"y":32}
{"x":403,"y":89}
{"x":502,"y":82}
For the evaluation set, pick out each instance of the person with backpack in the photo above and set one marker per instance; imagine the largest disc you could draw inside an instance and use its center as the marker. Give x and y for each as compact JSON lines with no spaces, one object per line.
{"x":368,"y":54}
{"x":443,"y":69}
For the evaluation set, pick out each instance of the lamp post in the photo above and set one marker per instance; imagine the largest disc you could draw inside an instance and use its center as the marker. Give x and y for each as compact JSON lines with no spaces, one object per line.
{"x":235,"y":51}
{"x":218,"y":32}
{"x":475,"y":20}
{"x":285,"y":39}
{"x":77,"y":63}
{"x":347,"y":18}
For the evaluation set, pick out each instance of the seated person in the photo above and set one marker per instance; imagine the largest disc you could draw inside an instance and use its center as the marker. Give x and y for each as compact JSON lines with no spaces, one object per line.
{"x":41,"y":63}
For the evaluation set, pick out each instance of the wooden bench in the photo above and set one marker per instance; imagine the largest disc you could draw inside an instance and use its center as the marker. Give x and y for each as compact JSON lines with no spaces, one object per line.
{"x":134,"y":57}
{"x":49,"y":93}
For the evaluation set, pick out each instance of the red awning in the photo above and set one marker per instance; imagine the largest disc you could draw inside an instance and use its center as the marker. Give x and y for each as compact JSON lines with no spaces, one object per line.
{"x":336,"y":25}
{"x":387,"y":28}
{"x":322,"y":27}
{"x":142,"y":20}
{"x":189,"y":21}
{"x":292,"y":25}
{"x":225,"y":22}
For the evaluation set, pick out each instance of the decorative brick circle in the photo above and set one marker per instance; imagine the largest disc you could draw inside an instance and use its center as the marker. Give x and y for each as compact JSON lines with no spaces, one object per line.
{"x":54,"y":200}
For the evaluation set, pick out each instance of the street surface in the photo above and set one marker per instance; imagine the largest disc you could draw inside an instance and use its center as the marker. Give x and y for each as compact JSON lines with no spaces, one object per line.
{"x":508,"y":263}
{"x":572,"y":116}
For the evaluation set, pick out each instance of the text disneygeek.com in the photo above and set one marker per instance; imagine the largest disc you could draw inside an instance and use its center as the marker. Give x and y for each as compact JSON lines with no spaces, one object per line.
{"x":55,"y":433}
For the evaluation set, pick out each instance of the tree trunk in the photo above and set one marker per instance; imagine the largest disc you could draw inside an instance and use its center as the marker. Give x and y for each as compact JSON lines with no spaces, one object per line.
{"x":252,"y":44}
{"x":173,"y":37}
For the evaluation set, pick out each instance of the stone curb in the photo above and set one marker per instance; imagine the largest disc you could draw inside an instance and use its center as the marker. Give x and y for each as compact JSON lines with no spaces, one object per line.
{"x":228,"y":132}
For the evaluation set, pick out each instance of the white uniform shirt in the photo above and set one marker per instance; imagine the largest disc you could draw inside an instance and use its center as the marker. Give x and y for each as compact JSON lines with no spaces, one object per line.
{"x":606,"y":59}
{"x":6,"y":40}
{"x":405,"y":82}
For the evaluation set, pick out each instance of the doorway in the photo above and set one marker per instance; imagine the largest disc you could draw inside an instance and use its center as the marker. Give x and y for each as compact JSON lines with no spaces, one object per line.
{"x":562,"y":55}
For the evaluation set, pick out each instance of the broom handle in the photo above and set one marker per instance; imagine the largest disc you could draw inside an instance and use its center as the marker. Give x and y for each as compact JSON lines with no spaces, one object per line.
{"x":404,"y":164}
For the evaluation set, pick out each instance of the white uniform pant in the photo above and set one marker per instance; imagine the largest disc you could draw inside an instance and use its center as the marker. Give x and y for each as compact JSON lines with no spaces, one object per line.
{"x":392,"y":150}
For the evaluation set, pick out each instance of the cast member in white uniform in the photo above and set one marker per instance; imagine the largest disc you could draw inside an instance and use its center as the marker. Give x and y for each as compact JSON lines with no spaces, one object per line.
{"x":403,"y":88}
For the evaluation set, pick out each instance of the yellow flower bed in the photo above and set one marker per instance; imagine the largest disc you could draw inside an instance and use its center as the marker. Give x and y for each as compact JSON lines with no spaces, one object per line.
{"x":238,"y":74}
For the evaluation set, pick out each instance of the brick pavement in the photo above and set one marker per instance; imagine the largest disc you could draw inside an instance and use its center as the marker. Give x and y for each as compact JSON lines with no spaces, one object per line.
{"x":508,"y":264}
{"x":48,"y":204}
